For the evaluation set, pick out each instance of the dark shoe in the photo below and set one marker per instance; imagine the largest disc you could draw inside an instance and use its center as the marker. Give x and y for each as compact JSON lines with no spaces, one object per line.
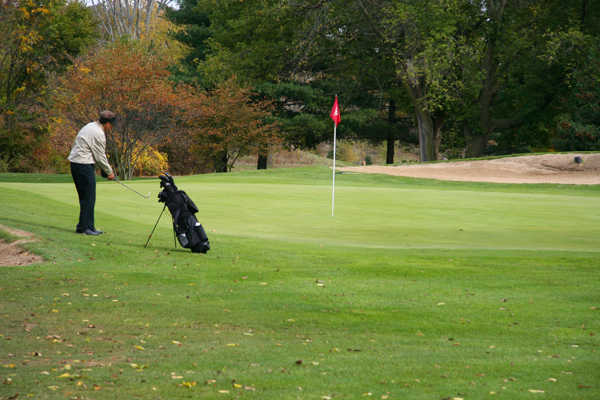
{"x":90,"y":232}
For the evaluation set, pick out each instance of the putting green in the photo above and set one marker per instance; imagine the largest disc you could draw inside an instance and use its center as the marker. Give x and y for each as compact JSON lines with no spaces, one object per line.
{"x":395,"y":216}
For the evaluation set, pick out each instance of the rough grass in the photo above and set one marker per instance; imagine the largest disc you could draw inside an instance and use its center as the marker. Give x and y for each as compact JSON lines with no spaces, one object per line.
{"x":414,"y":290}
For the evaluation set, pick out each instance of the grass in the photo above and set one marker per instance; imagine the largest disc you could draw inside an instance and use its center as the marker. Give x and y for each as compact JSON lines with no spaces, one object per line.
{"x":416,"y":289}
{"x":7,"y":236}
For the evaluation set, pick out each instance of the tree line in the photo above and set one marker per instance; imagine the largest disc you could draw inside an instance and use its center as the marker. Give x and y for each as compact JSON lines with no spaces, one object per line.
{"x":201,"y":83}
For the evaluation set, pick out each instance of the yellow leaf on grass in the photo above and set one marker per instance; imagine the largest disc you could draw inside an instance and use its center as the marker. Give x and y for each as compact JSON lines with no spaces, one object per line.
{"x":232,"y":344}
{"x":137,"y":346}
{"x":9,"y":365}
{"x":53,"y":387}
{"x":224,"y":391}
{"x":188,"y":384}
{"x":535,"y":391}
{"x":65,"y":375}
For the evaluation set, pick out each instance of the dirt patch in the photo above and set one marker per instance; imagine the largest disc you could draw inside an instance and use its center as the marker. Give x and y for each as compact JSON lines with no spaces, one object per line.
{"x":12,"y":254}
{"x":548,"y":168}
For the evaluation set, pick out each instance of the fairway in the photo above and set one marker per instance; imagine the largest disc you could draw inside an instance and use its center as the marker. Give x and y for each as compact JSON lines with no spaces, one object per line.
{"x":415,"y":289}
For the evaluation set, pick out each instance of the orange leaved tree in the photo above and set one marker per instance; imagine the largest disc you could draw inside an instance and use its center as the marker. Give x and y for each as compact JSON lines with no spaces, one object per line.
{"x":134,"y":84}
{"x":231,"y":124}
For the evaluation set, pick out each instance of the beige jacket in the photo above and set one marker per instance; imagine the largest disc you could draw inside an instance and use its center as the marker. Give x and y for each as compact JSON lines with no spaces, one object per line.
{"x":90,"y":147}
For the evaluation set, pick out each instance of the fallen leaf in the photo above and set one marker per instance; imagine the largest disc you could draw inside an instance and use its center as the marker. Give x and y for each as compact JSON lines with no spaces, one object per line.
{"x":139,"y":347}
{"x":224,"y":391}
{"x":535,"y":391}
{"x":53,"y":387}
{"x":188,"y":384}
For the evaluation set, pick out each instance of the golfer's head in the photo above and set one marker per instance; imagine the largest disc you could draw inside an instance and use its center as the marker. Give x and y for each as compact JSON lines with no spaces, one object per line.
{"x":107,"y":119}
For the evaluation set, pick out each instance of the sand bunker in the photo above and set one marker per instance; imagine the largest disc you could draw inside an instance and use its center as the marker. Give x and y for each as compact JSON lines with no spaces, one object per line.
{"x":547,"y":168}
{"x":12,"y":253}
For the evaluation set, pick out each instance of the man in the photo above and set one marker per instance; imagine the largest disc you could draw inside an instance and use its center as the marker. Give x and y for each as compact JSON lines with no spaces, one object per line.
{"x":90,"y":149}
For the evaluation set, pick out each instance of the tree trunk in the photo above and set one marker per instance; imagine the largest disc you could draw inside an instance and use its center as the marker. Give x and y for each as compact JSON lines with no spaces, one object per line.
{"x":221,"y":162}
{"x":389,"y":154}
{"x":391,"y":139}
{"x":438,"y":123}
{"x":262,"y":161}
{"x":426,"y":136}
{"x":585,"y":8}
{"x":476,"y":144}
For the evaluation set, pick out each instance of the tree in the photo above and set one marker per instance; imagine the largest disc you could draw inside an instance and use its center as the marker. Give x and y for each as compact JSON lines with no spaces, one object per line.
{"x":577,"y":127}
{"x":516,"y":93}
{"x":39,"y":39}
{"x":428,"y":44}
{"x":132,"y":19}
{"x":228,"y":125}
{"x":135,"y":85}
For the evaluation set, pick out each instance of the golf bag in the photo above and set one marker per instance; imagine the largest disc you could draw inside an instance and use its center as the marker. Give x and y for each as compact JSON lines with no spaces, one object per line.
{"x":188,"y":230}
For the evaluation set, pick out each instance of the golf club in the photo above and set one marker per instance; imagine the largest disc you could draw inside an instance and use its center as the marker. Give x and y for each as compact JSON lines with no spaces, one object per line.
{"x":130,"y":188}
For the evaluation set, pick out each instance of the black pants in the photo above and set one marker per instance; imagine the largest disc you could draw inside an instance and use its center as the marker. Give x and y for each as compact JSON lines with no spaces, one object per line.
{"x":84,"y":176}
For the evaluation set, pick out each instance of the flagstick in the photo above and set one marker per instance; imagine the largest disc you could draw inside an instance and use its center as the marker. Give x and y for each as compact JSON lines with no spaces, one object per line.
{"x":333,"y":186}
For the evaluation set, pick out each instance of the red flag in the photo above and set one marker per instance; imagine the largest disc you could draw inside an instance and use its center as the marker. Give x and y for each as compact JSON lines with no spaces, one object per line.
{"x":335,"y":112}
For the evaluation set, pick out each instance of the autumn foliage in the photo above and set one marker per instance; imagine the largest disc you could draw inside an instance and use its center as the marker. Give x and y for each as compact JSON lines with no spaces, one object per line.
{"x":128,"y":81}
{"x":152,"y":111}
{"x":38,"y":39}
{"x":232,"y":124}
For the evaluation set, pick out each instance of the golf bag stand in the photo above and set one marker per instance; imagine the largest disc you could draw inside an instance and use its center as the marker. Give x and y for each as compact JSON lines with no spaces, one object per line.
{"x":188,"y":231}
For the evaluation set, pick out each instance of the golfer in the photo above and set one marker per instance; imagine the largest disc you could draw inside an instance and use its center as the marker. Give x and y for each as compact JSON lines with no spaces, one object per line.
{"x":90,"y":149}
